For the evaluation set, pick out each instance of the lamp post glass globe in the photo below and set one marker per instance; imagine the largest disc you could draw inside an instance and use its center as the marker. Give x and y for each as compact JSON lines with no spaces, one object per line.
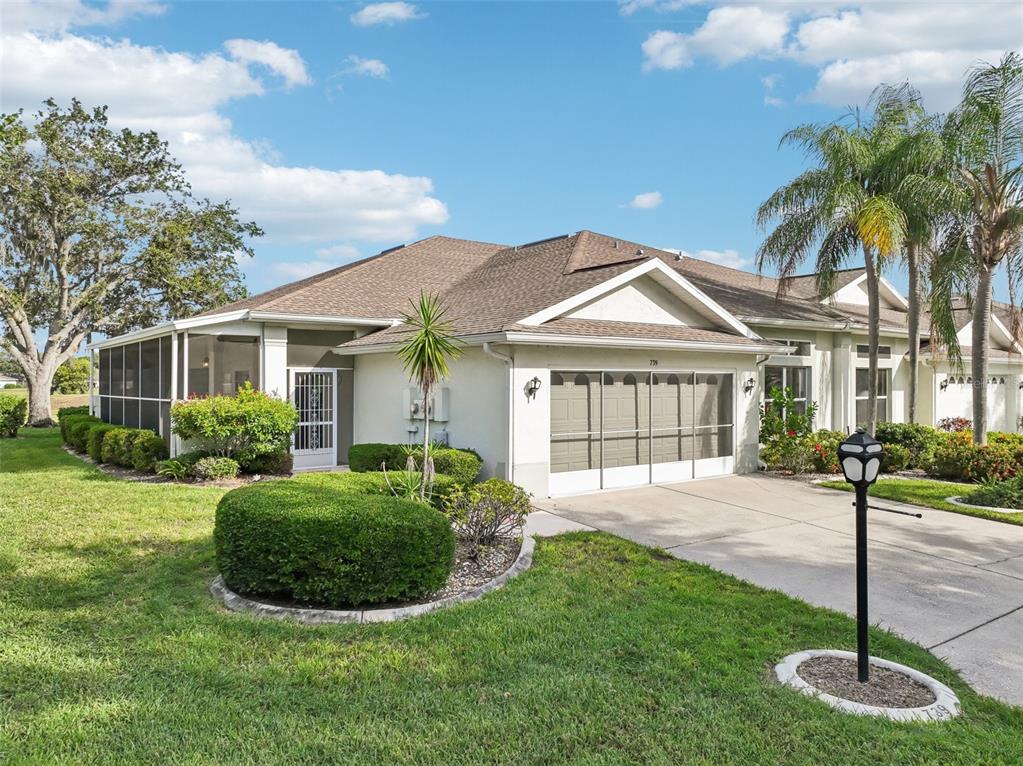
{"x":860,"y":457}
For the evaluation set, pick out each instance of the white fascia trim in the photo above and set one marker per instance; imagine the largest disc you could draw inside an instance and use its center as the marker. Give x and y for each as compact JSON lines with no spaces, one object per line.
{"x":548,"y":339}
{"x":801,"y":324}
{"x":273,"y":316}
{"x":545,"y":339}
{"x":893,"y":293}
{"x":167,"y":328}
{"x":1006,"y":334}
{"x":654,"y":264}
{"x":234,"y":316}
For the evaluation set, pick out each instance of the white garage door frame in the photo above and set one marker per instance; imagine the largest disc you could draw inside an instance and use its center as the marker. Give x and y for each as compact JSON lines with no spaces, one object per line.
{"x":602,"y":478}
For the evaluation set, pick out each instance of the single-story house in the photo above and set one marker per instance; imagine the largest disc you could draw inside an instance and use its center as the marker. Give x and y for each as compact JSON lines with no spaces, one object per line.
{"x":589,"y":362}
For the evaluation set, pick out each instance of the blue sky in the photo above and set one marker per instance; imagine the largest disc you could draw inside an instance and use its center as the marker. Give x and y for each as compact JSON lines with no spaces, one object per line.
{"x":344,"y":128}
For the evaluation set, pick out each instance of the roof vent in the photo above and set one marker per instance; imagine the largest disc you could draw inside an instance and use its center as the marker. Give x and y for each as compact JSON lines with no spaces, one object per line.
{"x":640,"y":251}
{"x":392,"y":249}
{"x":616,"y":244}
{"x":678,"y":256}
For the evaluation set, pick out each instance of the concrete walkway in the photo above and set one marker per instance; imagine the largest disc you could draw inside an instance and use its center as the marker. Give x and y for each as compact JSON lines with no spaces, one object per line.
{"x":952,"y":583}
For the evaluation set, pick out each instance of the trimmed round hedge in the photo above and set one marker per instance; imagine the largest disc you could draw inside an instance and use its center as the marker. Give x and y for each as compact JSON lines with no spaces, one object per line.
{"x":306,"y":542}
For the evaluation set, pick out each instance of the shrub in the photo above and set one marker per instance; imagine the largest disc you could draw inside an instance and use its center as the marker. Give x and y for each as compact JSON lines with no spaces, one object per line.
{"x":13,"y":414}
{"x":955,"y":425}
{"x":243,"y":426}
{"x":463,"y":465}
{"x":896,"y":458}
{"x":305,"y":541}
{"x":374,"y":483}
{"x":70,"y":420}
{"x":273,"y":463}
{"x":78,"y":431}
{"x":94,"y":441}
{"x":825,"y":451}
{"x":781,"y":416}
{"x":9,"y":386}
{"x":215,"y":467}
{"x":789,"y":453}
{"x":173,"y":469}
{"x":955,"y":456}
{"x":484,"y":512}
{"x":63,"y":412}
{"x":369,"y":457}
{"x":118,"y":446}
{"x":998,"y":494}
{"x":915,"y":437}
{"x":147,"y":449}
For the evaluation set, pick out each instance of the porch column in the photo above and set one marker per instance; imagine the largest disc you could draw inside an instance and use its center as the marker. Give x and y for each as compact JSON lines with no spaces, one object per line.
{"x":274,"y":379}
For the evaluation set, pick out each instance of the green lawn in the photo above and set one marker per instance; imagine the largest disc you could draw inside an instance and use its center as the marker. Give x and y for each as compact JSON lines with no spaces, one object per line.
{"x":928,"y":493}
{"x":112,"y":652}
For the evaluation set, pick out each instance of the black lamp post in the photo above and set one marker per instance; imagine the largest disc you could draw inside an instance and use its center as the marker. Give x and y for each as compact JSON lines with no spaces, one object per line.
{"x":860,"y":457}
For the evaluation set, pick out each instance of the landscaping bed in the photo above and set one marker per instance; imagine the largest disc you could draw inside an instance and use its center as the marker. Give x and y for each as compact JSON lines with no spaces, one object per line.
{"x":886,"y":688}
{"x":604,"y":652}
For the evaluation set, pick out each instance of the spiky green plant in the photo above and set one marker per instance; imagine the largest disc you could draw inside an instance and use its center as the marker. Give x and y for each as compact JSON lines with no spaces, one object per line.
{"x":425,"y":357}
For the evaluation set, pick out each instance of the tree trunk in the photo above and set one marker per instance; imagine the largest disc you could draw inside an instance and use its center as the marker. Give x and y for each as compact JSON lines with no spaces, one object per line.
{"x":873,"y":336}
{"x":914,"y":327}
{"x":39,"y":382}
{"x":427,"y":476}
{"x":981,"y":330}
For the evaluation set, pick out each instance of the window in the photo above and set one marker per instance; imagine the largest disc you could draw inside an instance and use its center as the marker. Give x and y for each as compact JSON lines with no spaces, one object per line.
{"x":884,"y":379}
{"x":863,"y":351}
{"x":796,"y":378}
{"x":802,"y":346}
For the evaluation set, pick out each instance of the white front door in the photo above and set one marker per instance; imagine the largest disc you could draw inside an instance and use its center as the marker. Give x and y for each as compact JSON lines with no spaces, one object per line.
{"x":314,"y":394}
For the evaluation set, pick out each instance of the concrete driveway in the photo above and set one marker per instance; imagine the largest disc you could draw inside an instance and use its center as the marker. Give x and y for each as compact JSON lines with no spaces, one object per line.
{"x":949,"y":582}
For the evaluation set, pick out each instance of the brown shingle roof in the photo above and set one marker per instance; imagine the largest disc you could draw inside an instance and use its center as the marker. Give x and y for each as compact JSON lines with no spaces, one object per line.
{"x":490,"y":288}
{"x":375,"y":287}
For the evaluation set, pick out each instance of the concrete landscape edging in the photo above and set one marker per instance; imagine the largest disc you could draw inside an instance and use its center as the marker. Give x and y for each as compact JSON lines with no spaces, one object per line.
{"x":958,"y":500}
{"x":312,"y":616}
{"x":945,"y":706}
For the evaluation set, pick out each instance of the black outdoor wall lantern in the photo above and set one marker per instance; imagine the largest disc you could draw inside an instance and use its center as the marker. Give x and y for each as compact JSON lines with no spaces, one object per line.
{"x":532,"y":387}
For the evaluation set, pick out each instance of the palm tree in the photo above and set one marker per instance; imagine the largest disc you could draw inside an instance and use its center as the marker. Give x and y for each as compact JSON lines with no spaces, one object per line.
{"x":425,"y":358}
{"x":919,"y":152}
{"x":841,"y":205}
{"x":985,"y":197}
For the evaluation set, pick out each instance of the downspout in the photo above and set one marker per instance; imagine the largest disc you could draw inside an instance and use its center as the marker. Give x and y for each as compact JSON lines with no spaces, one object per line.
{"x":509,"y":362}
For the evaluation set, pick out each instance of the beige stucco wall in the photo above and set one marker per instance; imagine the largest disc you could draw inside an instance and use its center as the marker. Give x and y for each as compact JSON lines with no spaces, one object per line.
{"x":477,"y":405}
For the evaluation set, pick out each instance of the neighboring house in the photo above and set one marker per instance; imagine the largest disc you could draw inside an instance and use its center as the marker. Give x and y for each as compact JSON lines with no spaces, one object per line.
{"x":589,"y":362}
{"x":9,"y":380}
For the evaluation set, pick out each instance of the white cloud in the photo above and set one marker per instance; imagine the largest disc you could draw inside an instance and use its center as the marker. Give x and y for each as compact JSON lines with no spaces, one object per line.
{"x":854,"y":46}
{"x":182,"y":96}
{"x":629,"y":7}
{"x":730,"y":34}
{"x":286,"y":63}
{"x":368,"y":67}
{"x":770,"y":82}
{"x":325,"y":258}
{"x":386,"y":13}
{"x":730,"y":258}
{"x":61,"y":15}
{"x":646,"y":201}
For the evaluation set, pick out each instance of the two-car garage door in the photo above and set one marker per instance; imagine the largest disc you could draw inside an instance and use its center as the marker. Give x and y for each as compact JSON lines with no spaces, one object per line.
{"x":623,"y":428}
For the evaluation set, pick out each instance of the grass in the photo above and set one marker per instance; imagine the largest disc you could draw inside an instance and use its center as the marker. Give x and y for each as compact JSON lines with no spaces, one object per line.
{"x":928,"y":493}
{"x":605,"y":652}
{"x":56,"y":400}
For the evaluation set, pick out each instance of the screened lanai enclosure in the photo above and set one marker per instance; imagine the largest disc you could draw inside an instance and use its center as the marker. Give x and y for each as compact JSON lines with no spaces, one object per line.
{"x":619,"y":429}
{"x":138,"y":381}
